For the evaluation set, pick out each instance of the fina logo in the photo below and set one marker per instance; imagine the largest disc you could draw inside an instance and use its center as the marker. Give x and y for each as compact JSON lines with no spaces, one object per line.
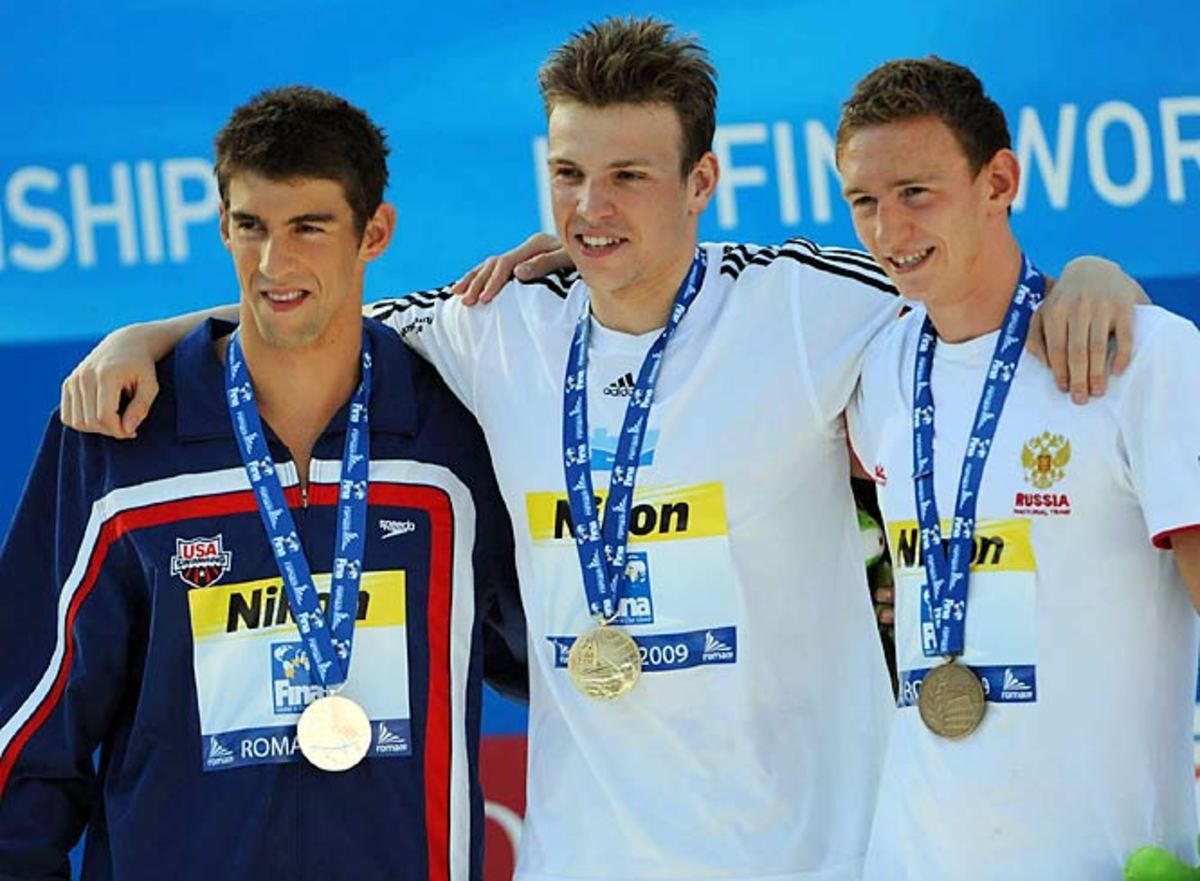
{"x":637,"y":603}
{"x":292,"y":685}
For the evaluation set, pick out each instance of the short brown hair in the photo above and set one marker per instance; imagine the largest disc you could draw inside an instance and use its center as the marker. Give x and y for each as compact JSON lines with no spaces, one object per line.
{"x":299,"y":131}
{"x":914,"y":87}
{"x":637,"y":61}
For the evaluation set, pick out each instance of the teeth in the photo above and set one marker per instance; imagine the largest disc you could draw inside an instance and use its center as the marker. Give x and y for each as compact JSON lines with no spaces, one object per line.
{"x":598,"y":241}
{"x":283,"y":296}
{"x":911,"y":258}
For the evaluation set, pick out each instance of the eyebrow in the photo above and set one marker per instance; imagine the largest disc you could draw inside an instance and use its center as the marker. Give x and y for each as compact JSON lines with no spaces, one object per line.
{"x":616,"y":163}
{"x":893,"y":184}
{"x":311,"y":217}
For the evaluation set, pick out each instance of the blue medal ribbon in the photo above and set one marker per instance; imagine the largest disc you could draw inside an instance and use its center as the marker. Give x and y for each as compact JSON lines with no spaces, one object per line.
{"x":944,"y":597}
{"x":602,"y":548}
{"x":328,"y":641}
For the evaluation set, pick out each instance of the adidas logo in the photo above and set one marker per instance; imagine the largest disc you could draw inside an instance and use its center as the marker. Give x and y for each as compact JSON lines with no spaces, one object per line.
{"x":218,"y":754}
{"x":1014,"y":687}
{"x":621,"y":387}
{"x":388,"y":741}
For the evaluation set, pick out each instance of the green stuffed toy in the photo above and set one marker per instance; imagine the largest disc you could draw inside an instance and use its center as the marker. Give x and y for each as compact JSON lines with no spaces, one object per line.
{"x":1155,"y":864}
{"x":872,"y":538}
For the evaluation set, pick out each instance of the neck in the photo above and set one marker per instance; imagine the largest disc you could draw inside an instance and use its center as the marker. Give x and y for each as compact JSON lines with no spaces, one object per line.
{"x":981,"y":309}
{"x":645,"y":305}
{"x":299,"y":390}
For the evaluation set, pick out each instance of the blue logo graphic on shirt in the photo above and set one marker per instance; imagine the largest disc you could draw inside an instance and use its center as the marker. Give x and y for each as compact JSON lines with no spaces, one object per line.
{"x":293,"y":685}
{"x":664,"y":652}
{"x":1011,"y":684}
{"x":636,"y":605}
{"x":604,"y":449}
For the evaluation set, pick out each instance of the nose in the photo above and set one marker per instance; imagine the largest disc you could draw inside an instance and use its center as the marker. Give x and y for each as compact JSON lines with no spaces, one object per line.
{"x":275,"y":258}
{"x":594,"y":200}
{"x":891,"y":224}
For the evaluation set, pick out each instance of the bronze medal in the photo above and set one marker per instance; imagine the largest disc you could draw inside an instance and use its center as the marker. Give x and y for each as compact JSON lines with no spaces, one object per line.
{"x":604,"y":663}
{"x":951,"y":701}
{"x":334,"y":733}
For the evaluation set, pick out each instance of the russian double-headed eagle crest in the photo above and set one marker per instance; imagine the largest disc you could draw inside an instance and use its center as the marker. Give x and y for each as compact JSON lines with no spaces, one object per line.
{"x":1045,"y":459}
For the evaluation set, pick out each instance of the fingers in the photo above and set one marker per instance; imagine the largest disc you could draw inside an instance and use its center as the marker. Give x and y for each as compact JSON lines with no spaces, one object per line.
{"x":1123,"y":341}
{"x":460,"y":287}
{"x":1054,"y":341}
{"x":1035,"y":343}
{"x":90,"y":398}
{"x":544,"y":264}
{"x":477,"y":282}
{"x":538,"y":255}
{"x":138,"y":406}
{"x":501,"y":272}
{"x":1078,"y":338}
{"x":526,"y":262}
{"x":105,"y":414}
{"x":1098,"y":357}
{"x":67,"y":402}
{"x":885,"y":599}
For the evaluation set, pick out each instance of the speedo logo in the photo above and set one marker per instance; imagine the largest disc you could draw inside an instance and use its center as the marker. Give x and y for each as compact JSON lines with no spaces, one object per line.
{"x":621,"y":387}
{"x":666,"y":513}
{"x":393,"y":528}
{"x":997,"y":546}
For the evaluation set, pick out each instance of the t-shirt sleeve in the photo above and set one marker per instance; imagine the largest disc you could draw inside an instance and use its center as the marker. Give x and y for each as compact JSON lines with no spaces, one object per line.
{"x":840,"y":308}
{"x":1159,"y":422}
{"x":447,"y":334}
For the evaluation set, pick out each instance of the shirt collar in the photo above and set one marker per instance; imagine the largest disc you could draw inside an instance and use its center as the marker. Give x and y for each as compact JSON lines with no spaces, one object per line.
{"x":201,"y":413}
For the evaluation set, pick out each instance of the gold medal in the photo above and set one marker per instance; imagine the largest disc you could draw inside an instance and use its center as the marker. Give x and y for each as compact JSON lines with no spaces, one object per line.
{"x":604,"y":663}
{"x":951,"y":701}
{"x":334,"y":733}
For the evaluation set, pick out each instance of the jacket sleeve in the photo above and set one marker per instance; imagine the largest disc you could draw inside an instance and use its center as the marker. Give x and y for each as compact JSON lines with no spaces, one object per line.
{"x":64,"y":624}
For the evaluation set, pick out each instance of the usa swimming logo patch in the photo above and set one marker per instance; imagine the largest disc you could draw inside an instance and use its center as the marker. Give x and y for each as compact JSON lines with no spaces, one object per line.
{"x":201,"y":562}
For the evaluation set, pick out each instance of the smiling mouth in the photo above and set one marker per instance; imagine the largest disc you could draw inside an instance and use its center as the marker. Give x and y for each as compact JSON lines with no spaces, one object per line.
{"x":282,"y":300}
{"x":903,"y":263}
{"x":598,"y":246}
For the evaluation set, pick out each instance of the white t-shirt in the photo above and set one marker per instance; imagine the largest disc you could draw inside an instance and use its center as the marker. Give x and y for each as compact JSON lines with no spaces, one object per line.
{"x":1081,"y":627}
{"x":751,"y":746}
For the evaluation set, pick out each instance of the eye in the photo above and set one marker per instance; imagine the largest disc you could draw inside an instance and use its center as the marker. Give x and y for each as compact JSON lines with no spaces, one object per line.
{"x":861,"y":204}
{"x":247,"y":224}
{"x":566,"y":173}
{"x":626,"y":174}
{"x":308,"y":228}
{"x":913,"y":192}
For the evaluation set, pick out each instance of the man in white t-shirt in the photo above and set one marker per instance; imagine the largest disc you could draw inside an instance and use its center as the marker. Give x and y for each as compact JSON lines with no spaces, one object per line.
{"x":1068,"y":741}
{"x":750,"y":747}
